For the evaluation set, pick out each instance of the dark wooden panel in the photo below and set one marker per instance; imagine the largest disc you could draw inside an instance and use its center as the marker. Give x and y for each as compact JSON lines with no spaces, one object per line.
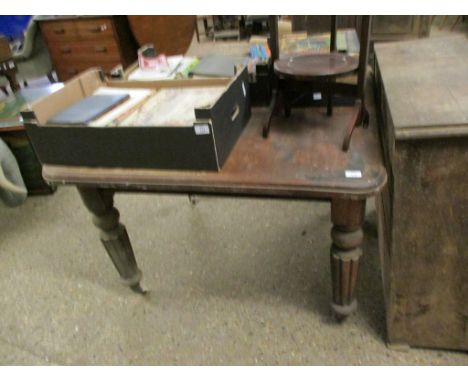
{"x":428,"y":303}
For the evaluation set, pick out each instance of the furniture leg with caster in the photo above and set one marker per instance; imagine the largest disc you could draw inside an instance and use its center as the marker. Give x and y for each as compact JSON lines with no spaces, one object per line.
{"x":113,"y":234}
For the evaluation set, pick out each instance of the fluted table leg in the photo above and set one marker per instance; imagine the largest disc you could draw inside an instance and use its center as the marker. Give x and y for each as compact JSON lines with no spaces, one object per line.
{"x":113,"y":234}
{"x":347,"y":236}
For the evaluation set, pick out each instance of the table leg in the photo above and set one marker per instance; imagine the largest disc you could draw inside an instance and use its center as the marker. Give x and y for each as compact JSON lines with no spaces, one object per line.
{"x":14,"y":84}
{"x":347,"y":216}
{"x":113,"y":234}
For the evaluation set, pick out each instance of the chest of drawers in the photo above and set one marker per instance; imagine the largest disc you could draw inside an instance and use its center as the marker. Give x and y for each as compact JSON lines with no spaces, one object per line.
{"x":78,"y":43}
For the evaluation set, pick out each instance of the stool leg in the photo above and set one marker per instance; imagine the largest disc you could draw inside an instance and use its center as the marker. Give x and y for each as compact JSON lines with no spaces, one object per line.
{"x":197,"y":32}
{"x":271,"y":111}
{"x":286,"y":104}
{"x":347,"y":236}
{"x":113,"y":234}
{"x":330,"y":97}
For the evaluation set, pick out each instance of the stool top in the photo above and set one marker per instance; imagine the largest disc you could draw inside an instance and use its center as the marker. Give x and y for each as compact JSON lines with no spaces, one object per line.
{"x":316,"y":65}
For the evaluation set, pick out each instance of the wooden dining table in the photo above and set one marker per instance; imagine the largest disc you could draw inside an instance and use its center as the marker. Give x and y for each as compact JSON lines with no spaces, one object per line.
{"x":302,"y":159}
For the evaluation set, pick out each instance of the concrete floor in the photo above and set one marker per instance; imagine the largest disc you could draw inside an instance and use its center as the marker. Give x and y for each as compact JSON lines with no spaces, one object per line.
{"x":232,"y":281}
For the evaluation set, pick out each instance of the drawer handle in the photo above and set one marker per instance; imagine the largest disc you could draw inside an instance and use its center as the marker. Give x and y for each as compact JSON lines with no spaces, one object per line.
{"x":59,"y":30}
{"x":99,"y":28}
{"x":234,"y":113}
{"x":65,"y":50}
{"x":100,"y":49}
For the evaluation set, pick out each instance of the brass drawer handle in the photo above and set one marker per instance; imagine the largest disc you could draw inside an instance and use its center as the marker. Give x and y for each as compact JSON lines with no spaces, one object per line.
{"x":59,"y":30}
{"x":100,"y":49}
{"x":99,"y":28}
{"x":66,"y":50}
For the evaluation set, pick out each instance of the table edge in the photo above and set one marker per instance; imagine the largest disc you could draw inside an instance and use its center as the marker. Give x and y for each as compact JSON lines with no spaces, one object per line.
{"x":54,"y":175}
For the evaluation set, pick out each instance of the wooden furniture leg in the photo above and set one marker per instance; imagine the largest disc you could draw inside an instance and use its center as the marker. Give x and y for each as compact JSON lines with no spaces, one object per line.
{"x":347,"y":216}
{"x":330,"y":83}
{"x":271,"y":110}
{"x":360,"y":116}
{"x":14,"y":84}
{"x":113,"y":234}
{"x":197,"y":32}
{"x":331,"y":80}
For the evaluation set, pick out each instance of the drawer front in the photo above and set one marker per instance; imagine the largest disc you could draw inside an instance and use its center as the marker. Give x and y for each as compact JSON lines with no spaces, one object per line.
{"x":65,"y":71}
{"x":59,"y":30}
{"x":100,"y":51}
{"x":95,"y":29}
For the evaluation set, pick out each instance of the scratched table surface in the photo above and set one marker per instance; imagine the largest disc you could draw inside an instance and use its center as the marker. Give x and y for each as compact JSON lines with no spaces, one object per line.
{"x":302,"y":158}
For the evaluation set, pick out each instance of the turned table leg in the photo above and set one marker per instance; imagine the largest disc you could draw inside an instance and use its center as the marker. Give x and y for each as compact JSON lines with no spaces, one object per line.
{"x":113,"y":234}
{"x":347,"y":216}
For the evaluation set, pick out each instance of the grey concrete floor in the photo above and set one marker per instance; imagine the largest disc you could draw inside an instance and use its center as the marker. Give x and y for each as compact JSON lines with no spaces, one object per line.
{"x":232,"y":281}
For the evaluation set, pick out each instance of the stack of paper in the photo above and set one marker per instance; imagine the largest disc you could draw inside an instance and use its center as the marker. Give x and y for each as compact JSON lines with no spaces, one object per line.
{"x":173,"y":106}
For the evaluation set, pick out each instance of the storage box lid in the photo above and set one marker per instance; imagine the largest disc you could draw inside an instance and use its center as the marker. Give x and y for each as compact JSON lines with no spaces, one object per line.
{"x":426,"y":86}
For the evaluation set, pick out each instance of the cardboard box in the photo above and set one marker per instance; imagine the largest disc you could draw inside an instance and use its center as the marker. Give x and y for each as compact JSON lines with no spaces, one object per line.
{"x":260,"y":82}
{"x":205,"y":145}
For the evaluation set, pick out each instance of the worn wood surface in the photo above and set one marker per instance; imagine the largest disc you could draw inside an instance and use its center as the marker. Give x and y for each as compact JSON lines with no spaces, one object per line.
{"x":425,"y":83}
{"x":427,"y":265}
{"x":423,"y":211}
{"x":400,"y":27}
{"x":302,"y":158}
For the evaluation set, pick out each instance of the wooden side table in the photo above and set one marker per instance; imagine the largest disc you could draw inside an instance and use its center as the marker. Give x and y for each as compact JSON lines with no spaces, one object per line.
{"x":296,"y":162}
{"x":313,"y":72}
